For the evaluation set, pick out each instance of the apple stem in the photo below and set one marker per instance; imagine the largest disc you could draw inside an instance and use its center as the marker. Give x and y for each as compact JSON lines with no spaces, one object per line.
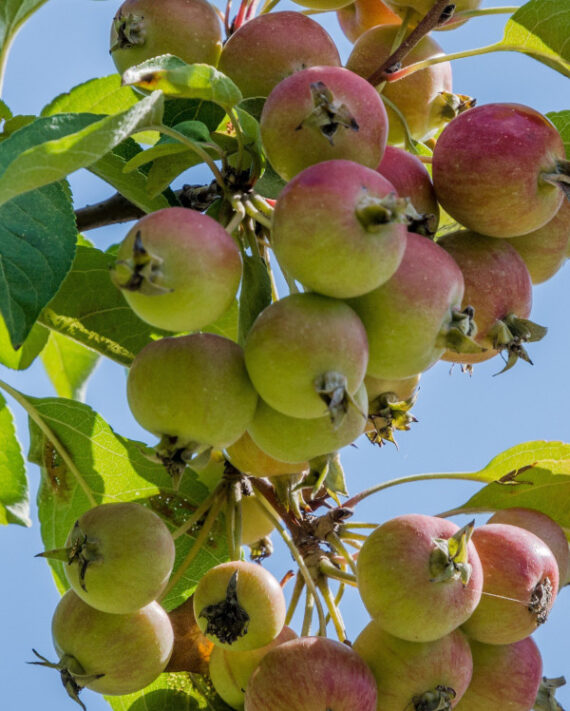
{"x":257,"y":215}
{"x":308,"y":615}
{"x":340,"y":548}
{"x":332,"y":607}
{"x":295,"y":597}
{"x":198,"y":514}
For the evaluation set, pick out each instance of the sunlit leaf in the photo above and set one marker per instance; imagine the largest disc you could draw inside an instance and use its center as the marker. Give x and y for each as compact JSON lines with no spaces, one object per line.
{"x":561,"y":119}
{"x":14,"y":507}
{"x":68,"y":365}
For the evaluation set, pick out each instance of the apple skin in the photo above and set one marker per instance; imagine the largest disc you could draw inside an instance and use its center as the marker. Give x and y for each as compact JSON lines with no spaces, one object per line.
{"x":505,"y":677}
{"x":405,"y":388}
{"x":246,"y":456}
{"x":417,"y":96}
{"x":311,"y":673}
{"x":195,"y":388}
{"x":257,"y":592}
{"x":487,"y":167}
{"x":319,"y":238}
{"x":254,"y":523}
{"x":404,"y":670}
{"x":189,"y":29}
{"x":487,"y":263}
{"x":268,"y":48}
{"x":200,"y":269}
{"x":136,"y":557}
{"x":542,"y":526}
{"x":545,"y":250}
{"x":130,"y":650}
{"x":230,"y":671}
{"x":404,"y":316}
{"x":395,"y":581}
{"x":515,"y":562}
{"x":359,"y":16}
{"x":293,"y":140}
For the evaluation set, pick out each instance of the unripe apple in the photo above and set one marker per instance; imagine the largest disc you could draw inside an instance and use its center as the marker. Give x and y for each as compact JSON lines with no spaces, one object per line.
{"x":246,"y":456}
{"x":505,"y":677}
{"x":239,"y":605}
{"x":542,"y":526}
{"x":520,"y":582}
{"x":323,"y":113}
{"x":311,"y":673}
{"x":194,"y":388}
{"x":306,"y":355}
{"x":192,"y":649}
{"x":339,"y":228}
{"x":416,"y":675}
{"x":189,"y":29}
{"x":418,"y":96}
{"x":297,"y":439}
{"x":179,"y":269}
{"x":270,"y":47}
{"x":230,"y":671}
{"x":255,"y":525}
{"x":419,"y":576}
{"x":411,"y":179}
{"x":498,"y":169}
{"x":359,"y":16}
{"x":322,"y":5}
{"x":404,"y":389}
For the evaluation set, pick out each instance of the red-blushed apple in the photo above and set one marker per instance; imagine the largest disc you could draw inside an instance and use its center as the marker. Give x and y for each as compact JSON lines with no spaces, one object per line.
{"x":230,"y":671}
{"x":311,"y":673}
{"x":359,"y":16}
{"x":498,"y":169}
{"x":306,"y":355}
{"x":339,"y":228}
{"x":419,"y":576}
{"x":323,"y":113}
{"x":520,"y":583}
{"x":505,"y":677}
{"x":189,"y":29}
{"x":542,"y":526}
{"x":416,"y":675}
{"x":411,"y":179}
{"x":268,"y":48}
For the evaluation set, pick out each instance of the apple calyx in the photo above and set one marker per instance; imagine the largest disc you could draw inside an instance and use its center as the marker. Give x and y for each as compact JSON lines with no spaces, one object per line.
{"x":449,"y":559}
{"x":175,"y":455}
{"x":130,"y":31}
{"x":374,"y":212}
{"x":289,"y":492}
{"x":226,"y":620}
{"x":387,"y":413}
{"x":83,"y":551}
{"x":448,"y":105}
{"x":331,"y":388}
{"x":328,"y":115}
{"x":545,"y":700}
{"x":327,"y":471}
{"x":438,"y":699}
{"x":457,"y":334}
{"x":541,"y":600}
{"x":510,"y":333}
{"x":141,"y":272}
{"x":560,"y":177}
{"x":73,"y":676}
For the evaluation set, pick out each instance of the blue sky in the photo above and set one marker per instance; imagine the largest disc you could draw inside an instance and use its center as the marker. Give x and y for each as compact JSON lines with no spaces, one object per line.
{"x":463,"y":421}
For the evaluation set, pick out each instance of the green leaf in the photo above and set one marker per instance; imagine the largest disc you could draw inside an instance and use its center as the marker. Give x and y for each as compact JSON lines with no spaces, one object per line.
{"x":5,"y":112}
{"x":68,"y":365}
{"x":54,"y":146}
{"x":37,"y":246}
{"x":255,"y":293}
{"x":270,"y":184}
{"x":179,"y":110}
{"x":13,"y":14}
{"x":540,"y":28}
{"x":14,"y":124}
{"x":191,"y":81}
{"x":164,"y":170}
{"x":227,"y":324}
{"x":561,"y":119}
{"x":104,"y":95}
{"x":28,"y":351}
{"x":14,"y":506}
{"x":91,"y":310}
{"x":195,"y":131}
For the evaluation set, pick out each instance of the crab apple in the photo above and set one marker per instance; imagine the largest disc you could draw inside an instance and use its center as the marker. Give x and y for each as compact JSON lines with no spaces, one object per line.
{"x":268,"y":48}
{"x":339,"y":228}
{"x":411,"y":317}
{"x":499,"y":289}
{"x":254,"y":523}
{"x":179,"y":269}
{"x":419,"y":576}
{"x":505,"y":677}
{"x":297,"y":439}
{"x":520,"y":582}
{"x":544,"y":251}
{"x":311,"y":673}
{"x":239,"y":605}
{"x":193,"y":388}
{"x":416,"y":675}
{"x":323,"y":113}
{"x":411,"y":179}
{"x":109,"y":653}
{"x":230,"y":671}
{"x":306,"y":355}
{"x":359,"y":16}
{"x":499,"y":169}
{"x":192,"y":650}
{"x":119,"y":557}
{"x":246,"y":456}
{"x":542,"y":526}
{"x":142,"y":29}
{"x":424,"y":98}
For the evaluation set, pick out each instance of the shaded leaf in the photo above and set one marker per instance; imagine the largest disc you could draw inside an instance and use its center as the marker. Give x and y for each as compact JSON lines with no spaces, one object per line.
{"x":68,"y":365}
{"x":227,"y":324}
{"x":165,"y":170}
{"x":255,"y":293}
{"x":270,"y":184}
{"x":561,"y":119}
{"x":5,"y":112}
{"x":28,"y":351}
{"x":14,"y":506}
{"x":179,"y":110}
{"x":14,"y":124}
